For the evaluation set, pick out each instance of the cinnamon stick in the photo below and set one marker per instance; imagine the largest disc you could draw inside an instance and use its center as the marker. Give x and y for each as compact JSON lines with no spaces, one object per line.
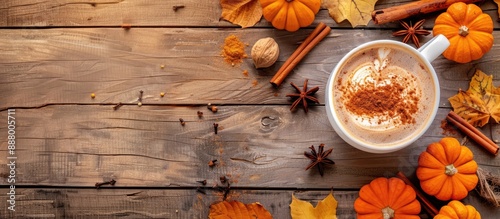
{"x":400,"y":12}
{"x":473,"y":133}
{"x":429,"y":207}
{"x":320,"y":32}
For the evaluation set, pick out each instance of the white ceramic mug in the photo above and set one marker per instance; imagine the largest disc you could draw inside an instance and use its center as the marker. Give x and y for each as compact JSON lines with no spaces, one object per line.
{"x":370,"y":136}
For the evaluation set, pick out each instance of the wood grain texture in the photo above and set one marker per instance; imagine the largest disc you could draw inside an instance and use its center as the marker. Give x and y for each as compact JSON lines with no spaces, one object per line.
{"x":60,"y":66}
{"x":147,"y":146}
{"x":54,"y":54}
{"x":67,"y":13}
{"x":173,"y":203}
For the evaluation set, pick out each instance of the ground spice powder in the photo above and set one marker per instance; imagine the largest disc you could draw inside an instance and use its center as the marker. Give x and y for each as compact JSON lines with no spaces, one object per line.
{"x":385,"y":102}
{"x":233,"y":50}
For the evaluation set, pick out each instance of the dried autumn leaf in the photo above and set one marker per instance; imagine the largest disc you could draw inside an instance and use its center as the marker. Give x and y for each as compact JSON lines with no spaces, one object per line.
{"x":236,"y":209}
{"x":480,"y":102}
{"x":357,"y":12}
{"x":498,"y":4}
{"x":325,"y":209}
{"x":245,"y":13}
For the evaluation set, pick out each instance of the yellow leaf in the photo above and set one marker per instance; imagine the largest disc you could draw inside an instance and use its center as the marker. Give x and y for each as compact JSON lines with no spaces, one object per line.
{"x":480,"y":102}
{"x":498,"y":4}
{"x":325,"y":209}
{"x":357,"y":12}
{"x":245,"y":13}
{"x":236,"y":209}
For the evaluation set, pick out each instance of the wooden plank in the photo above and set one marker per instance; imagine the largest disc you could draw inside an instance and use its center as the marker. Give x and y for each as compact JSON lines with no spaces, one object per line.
{"x":73,"y":13}
{"x":60,"y":66}
{"x":495,"y":133}
{"x":147,"y":146}
{"x":173,"y":203}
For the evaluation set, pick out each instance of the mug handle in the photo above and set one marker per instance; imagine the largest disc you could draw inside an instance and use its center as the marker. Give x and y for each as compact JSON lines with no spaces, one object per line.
{"x":432,"y":49}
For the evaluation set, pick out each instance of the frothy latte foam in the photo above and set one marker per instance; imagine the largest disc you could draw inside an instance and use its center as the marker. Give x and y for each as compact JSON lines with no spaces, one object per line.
{"x":383,"y":95}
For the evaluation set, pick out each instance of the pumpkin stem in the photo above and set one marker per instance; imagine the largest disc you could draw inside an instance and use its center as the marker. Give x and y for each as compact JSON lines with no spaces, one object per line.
{"x":463,"y":30}
{"x":450,"y":170}
{"x":388,"y":213}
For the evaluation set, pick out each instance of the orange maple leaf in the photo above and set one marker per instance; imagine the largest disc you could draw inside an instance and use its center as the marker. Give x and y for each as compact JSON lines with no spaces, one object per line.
{"x":245,"y":13}
{"x":480,"y":102}
{"x":236,"y":209}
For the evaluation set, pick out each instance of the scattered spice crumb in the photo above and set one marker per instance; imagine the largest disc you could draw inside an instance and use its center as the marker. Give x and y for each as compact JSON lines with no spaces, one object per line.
{"x":276,"y":94}
{"x":92,"y":95}
{"x":448,"y":130}
{"x":203,"y":182}
{"x":162,"y":66}
{"x":222,"y":163}
{"x":233,"y":50}
{"x":254,"y":83}
{"x":182,"y":121}
{"x":126,"y":26}
{"x":200,"y":114}
{"x":245,"y":73}
{"x":162,"y":94}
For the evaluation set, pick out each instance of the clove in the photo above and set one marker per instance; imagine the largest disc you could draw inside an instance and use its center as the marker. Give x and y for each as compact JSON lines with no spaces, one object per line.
{"x":177,"y":7}
{"x":203,"y":182}
{"x":212,"y":163}
{"x":200,"y":190}
{"x":223,"y":179}
{"x":111,"y":182}
{"x":216,"y":126}
{"x":200,"y":114}
{"x":212,"y":108}
{"x":182,"y":121}
{"x":224,"y":190}
{"x":117,"y":106}
{"x":140,"y":96}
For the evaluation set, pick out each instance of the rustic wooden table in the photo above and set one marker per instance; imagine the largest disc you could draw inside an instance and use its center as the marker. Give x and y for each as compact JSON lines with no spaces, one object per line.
{"x":54,"y":54}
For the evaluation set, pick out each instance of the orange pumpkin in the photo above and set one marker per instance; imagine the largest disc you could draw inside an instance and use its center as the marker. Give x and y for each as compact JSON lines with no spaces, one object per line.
{"x":387,"y":198}
{"x":468,"y":29}
{"x":447,"y":170}
{"x":457,"y":210}
{"x":290,"y":14}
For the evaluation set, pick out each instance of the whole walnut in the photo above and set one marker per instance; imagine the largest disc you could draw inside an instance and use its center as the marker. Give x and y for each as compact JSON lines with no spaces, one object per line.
{"x":265,"y":52}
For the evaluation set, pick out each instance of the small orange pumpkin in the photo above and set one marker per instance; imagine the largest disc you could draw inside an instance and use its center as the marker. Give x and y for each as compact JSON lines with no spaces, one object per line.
{"x":457,"y":210}
{"x":447,"y":170}
{"x":468,"y":29}
{"x":290,"y":14}
{"x":387,"y":198}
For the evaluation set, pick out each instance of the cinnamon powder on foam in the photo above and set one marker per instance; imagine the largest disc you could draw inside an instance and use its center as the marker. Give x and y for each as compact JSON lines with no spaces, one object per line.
{"x":384,"y":102}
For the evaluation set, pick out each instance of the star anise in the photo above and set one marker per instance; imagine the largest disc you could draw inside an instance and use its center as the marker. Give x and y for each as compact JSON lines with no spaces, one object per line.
{"x":411,"y":31}
{"x":319,"y":158}
{"x":303,"y":96}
